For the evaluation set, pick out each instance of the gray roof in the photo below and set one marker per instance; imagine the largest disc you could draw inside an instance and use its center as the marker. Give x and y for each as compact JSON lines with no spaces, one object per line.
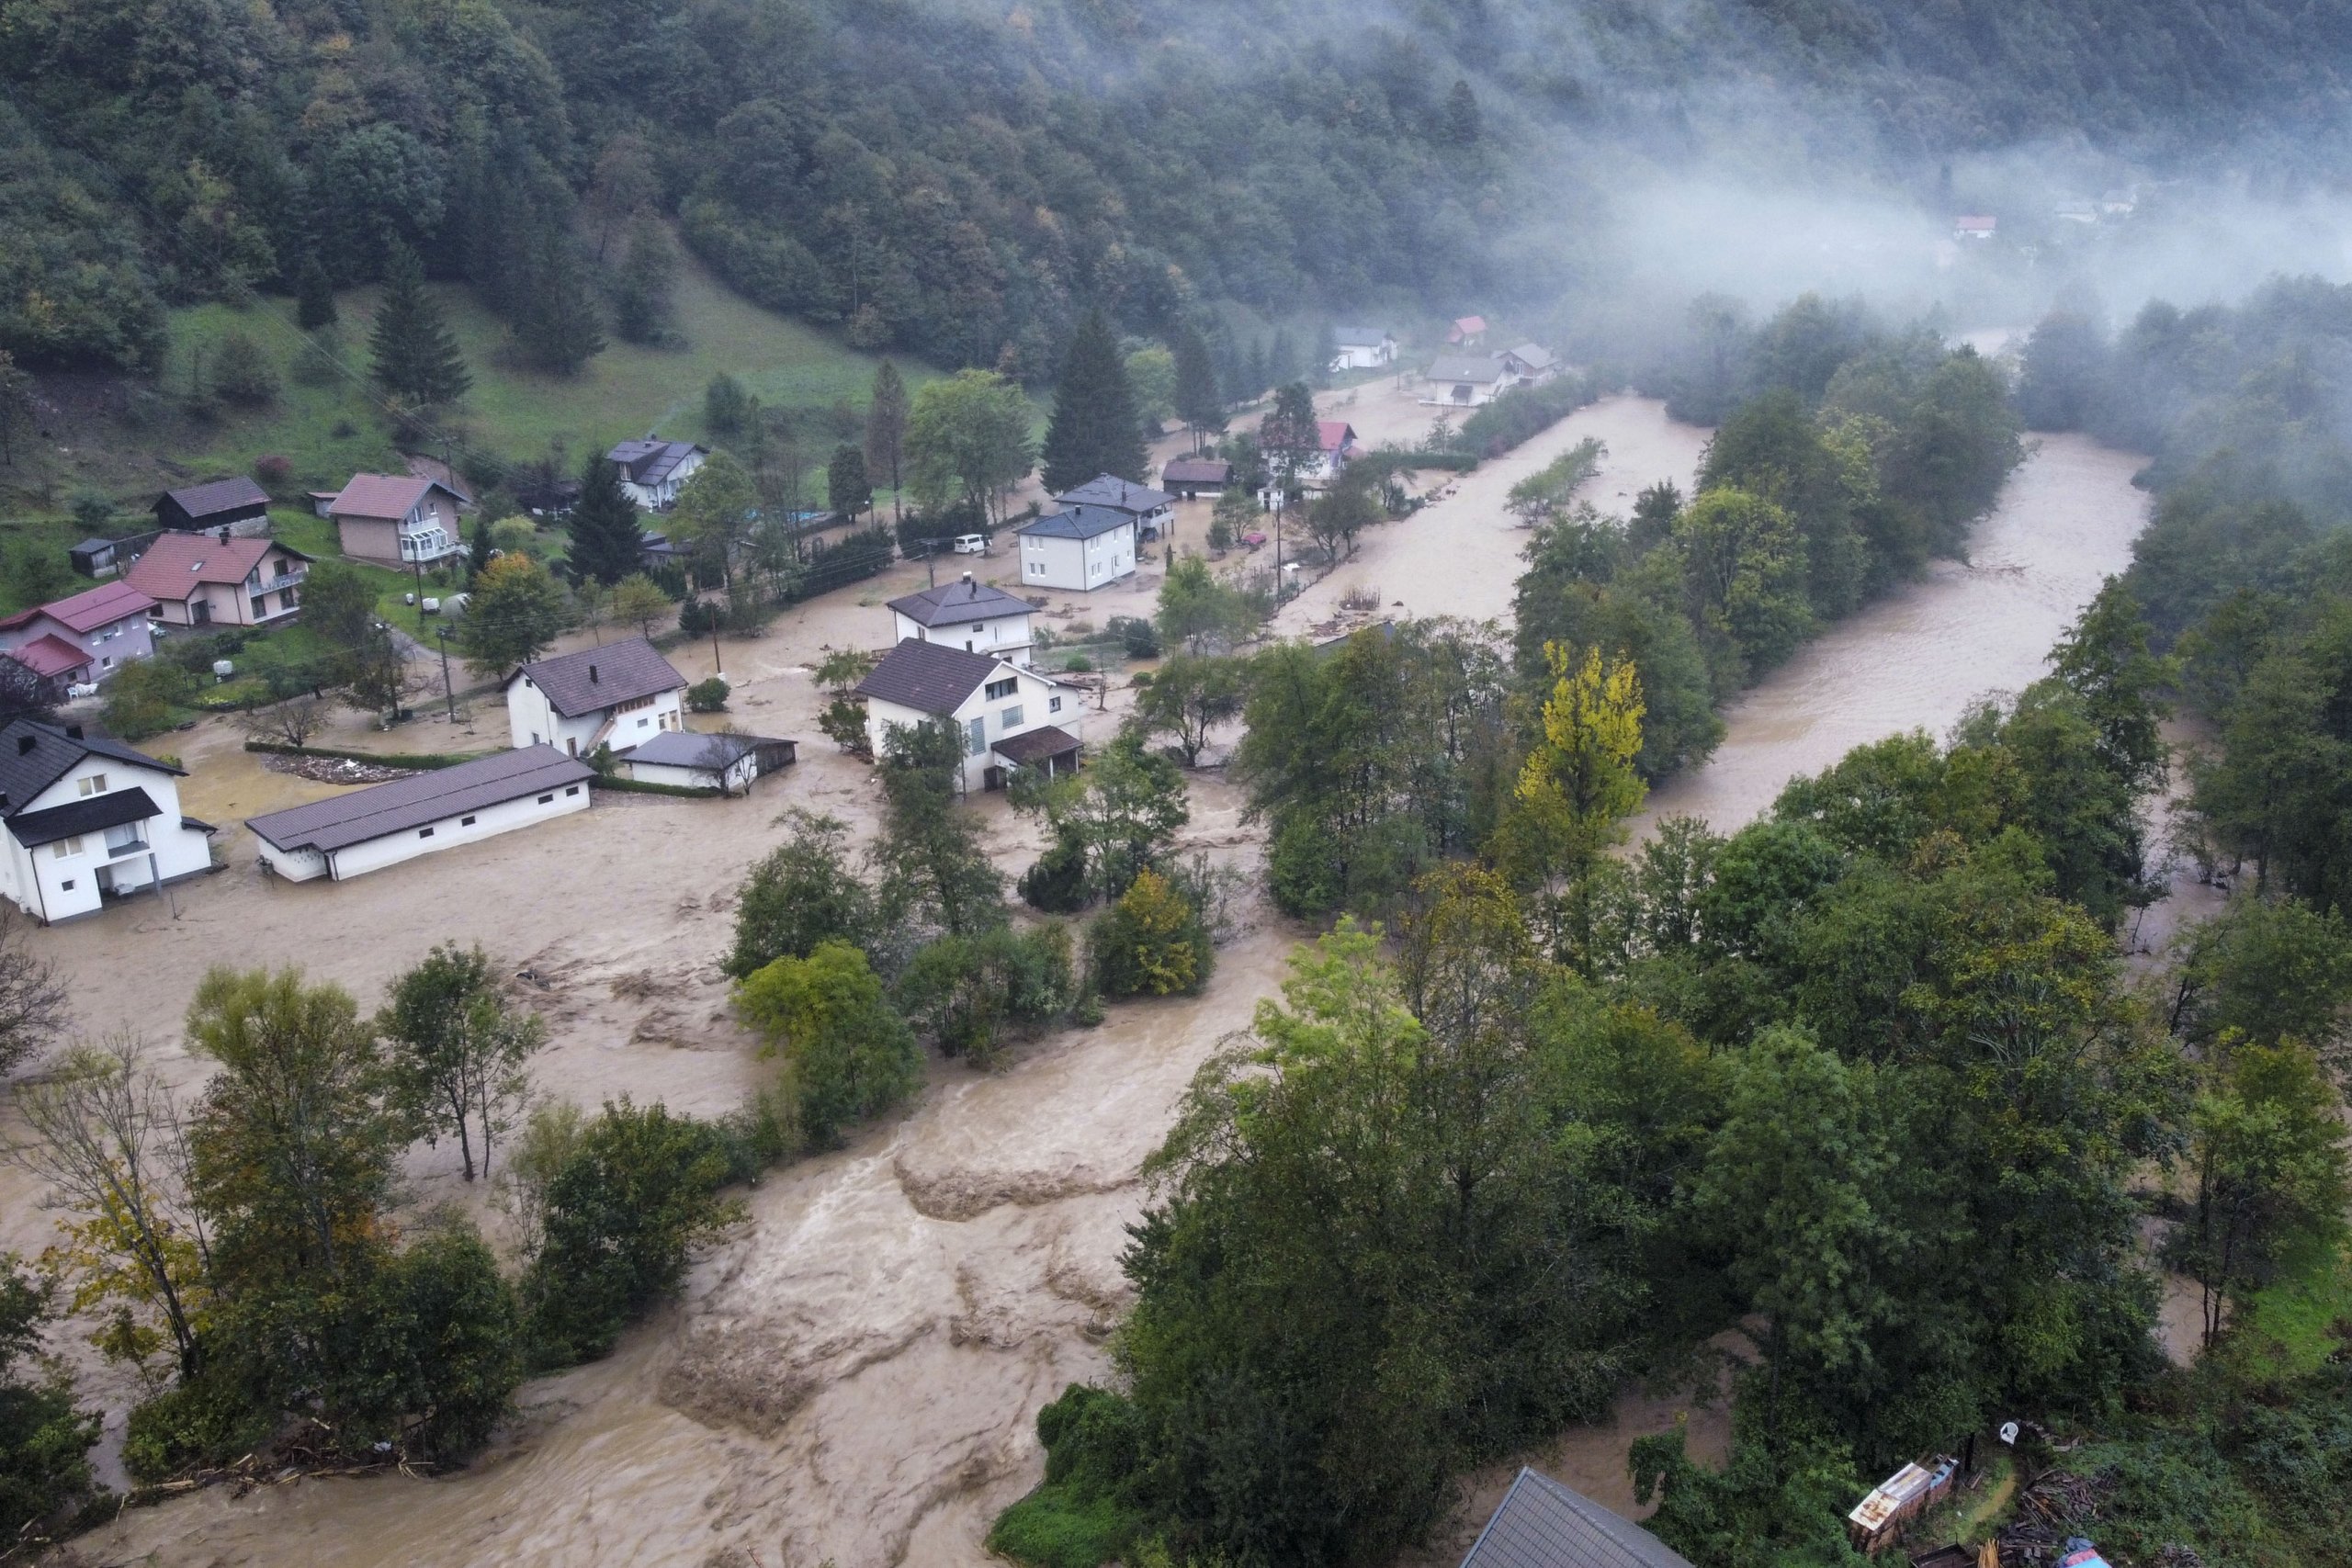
{"x":1534,"y":355}
{"x":1465,"y":367}
{"x":1082,"y":523}
{"x":93,"y":815}
{"x":686,"y":748}
{"x":955,"y":602}
{"x":25,"y":770}
{"x":420,"y":799}
{"x":1542,"y":1524}
{"x":1118,"y":494}
{"x":1196,"y":470}
{"x":649,"y":462}
{"x":1359,"y":337}
{"x":238,"y":494}
{"x":930,"y":677}
{"x":1037,"y":745}
{"x":597,"y":678}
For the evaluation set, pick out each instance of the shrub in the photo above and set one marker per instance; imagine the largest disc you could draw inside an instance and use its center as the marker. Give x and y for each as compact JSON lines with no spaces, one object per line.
{"x":801,"y":896}
{"x":1057,"y":883}
{"x":1151,"y":943}
{"x":1139,"y":637}
{"x":242,"y":373}
{"x":204,"y":1421}
{"x":275,"y":474}
{"x":971,"y":993}
{"x":1081,"y":1514}
{"x":847,"y":1055}
{"x":708,"y":696}
{"x":144,"y":698}
{"x":843,"y":724}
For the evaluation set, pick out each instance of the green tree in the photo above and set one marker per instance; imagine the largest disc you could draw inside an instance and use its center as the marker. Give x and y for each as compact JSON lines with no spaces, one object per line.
{"x":1151,"y":943}
{"x":800,"y":895}
{"x":971,"y":994}
{"x":847,"y":1054}
{"x":242,"y":373}
{"x":1199,"y":613}
{"x":934,"y":873}
{"x":558,"y":323}
{"x":643,"y":310}
{"x":16,"y":407}
{"x":1122,"y":814}
{"x":415,"y":355}
{"x":726,"y":409}
{"x":457,"y":1050}
{"x":607,"y":538}
{"x":640,"y":602}
{"x":1151,"y":374}
{"x":2105,"y":660}
{"x":1744,"y":570}
{"x":146,"y":697}
{"x":313,"y":297}
{"x":516,"y":611}
{"x":714,"y":514}
{"x":1577,"y":786}
{"x":1344,"y":511}
{"x":886,"y":432}
{"x":1095,"y":428}
{"x":1291,"y":437}
{"x":45,"y":1442}
{"x":2265,"y":970}
{"x":1197,"y":400}
{"x":847,"y":489}
{"x":1190,"y":695}
{"x":967,"y":438}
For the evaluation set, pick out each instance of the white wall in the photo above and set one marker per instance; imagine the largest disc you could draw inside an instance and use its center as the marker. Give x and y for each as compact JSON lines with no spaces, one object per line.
{"x":1035,"y":696}
{"x":1079,"y":566}
{"x":740,"y":776}
{"x":1006,"y":636}
{"x":531,"y":720}
{"x":36,"y":880}
{"x":448,"y":834}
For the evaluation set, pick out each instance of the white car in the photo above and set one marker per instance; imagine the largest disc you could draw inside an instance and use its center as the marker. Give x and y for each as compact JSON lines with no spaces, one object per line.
{"x":971,"y":544}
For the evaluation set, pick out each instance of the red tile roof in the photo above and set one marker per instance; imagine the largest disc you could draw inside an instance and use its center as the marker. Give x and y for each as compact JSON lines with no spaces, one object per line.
{"x":383,"y":495}
{"x":1334,"y":433}
{"x":88,"y":610}
{"x":175,"y":563}
{"x":50,"y":656}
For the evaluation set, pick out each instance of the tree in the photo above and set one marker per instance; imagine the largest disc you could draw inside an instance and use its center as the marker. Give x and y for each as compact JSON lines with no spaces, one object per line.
{"x":1122,"y":814}
{"x":44,"y":1440}
{"x":2105,"y":660}
{"x":934,"y":873}
{"x":34,"y":1005}
{"x":1190,"y":695}
{"x":1198,"y":612}
{"x":289,"y":721}
{"x":621,"y":187}
{"x":800,"y":895}
{"x":972,"y":993}
{"x":639,"y":601}
{"x":557,"y":325}
{"x":1743,"y":571}
{"x":1151,"y":943}
{"x":477,"y":547}
{"x":1576,"y":788}
{"x":1197,"y":401}
{"x":847,"y":491}
{"x":714,"y":514}
{"x":313,"y":296}
{"x":727,"y":411}
{"x":642,"y":307}
{"x":415,"y":354}
{"x":847,"y":1055}
{"x":2265,"y":970}
{"x":1291,"y":437}
{"x":339,"y":604}
{"x":1094,"y":429}
{"x":146,"y":697}
{"x":242,"y":373}
{"x":456,"y":1050}
{"x":607,"y":537}
{"x":516,"y":609}
{"x":1343,"y":511}
{"x":1461,"y":118}
{"x":1151,"y":376}
{"x":967,"y":437}
{"x":25,"y":694}
{"x":886,"y":431}
{"x":16,"y":407}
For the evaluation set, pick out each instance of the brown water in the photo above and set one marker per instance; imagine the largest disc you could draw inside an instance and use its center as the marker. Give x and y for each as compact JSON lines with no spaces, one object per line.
{"x":855,"y":1375}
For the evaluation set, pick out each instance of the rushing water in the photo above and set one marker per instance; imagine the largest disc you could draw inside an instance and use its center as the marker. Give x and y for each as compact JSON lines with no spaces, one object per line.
{"x":854,"y":1377}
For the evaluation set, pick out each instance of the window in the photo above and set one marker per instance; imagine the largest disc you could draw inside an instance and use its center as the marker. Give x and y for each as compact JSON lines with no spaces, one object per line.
{"x":66,"y":885}
{"x":65,"y":849}
{"x":1010,"y":719}
{"x":261,"y":605}
{"x":1004,"y":688}
{"x":465,"y":822}
{"x":976,"y":738}
{"x":95,"y":784}
{"x":1052,"y":704}
{"x":573,"y":789}
{"x":123,"y":838}
{"x":547,"y":800}
{"x":425,"y":832}
{"x":108,"y":662}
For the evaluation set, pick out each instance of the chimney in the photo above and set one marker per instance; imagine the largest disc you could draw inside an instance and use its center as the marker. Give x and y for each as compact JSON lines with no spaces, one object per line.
{"x":592,"y":675}
{"x":224,"y":533}
{"x":74,"y":732}
{"x":967,"y":580}
{"x":25,"y":743}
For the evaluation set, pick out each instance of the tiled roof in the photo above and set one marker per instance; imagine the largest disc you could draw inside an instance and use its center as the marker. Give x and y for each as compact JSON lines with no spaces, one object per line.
{"x":383,"y":495}
{"x":1083,"y":523}
{"x":1120,"y":495}
{"x":1334,"y":434}
{"x":1542,"y":1524}
{"x":95,"y":813}
{"x":88,"y":610}
{"x":930,"y":677}
{"x":50,"y":655}
{"x":686,"y":748}
{"x":598,"y":678}
{"x":1037,"y":745}
{"x":1469,"y":326}
{"x":238,"y":494}
{"x":955,"y":602}
{"x":1197,"y":471}
{"x":1465,"y":367}
{"x":649,"y":462}
{"x":1535,"y":356}
{"x":420,"y":799}
{"x":25,"y":770}
{"x":175,"y":563}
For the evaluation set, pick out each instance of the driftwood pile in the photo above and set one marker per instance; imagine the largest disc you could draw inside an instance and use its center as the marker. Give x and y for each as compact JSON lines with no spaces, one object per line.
{"x":335,"y":770}
{"x":2058,"y":1505}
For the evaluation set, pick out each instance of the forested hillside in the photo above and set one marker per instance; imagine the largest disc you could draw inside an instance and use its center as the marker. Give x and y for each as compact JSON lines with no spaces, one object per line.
{"x":963,"y":182}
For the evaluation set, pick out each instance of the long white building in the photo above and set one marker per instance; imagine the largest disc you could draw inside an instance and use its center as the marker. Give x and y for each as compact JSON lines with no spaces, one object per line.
{"x":367,"y":830}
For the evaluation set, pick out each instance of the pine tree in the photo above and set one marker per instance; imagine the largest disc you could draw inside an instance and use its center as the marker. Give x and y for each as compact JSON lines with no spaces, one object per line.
{"x":558,"y":326}
{"x":479,"y":547}
{"x":641,"y":311}
{"x":416,"y":356}
{"x":886,"y":431}
{"x":606,"y":539}
{"x":313,"y":297}
{"x":1094,"y":429}
{"x":1197,"y":401}
{"x":847,"y":491}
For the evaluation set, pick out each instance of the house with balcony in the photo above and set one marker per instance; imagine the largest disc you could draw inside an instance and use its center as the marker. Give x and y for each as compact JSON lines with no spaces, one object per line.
{"x":397,"y":519}
{"x":978,"y":617}
{"x":652,"y":472}
{"x":621,"y":695}
{"x":84,"y":640}
{"x":1010,"y":717}
{"x":88,"y":819}
{"x":207,"y":580}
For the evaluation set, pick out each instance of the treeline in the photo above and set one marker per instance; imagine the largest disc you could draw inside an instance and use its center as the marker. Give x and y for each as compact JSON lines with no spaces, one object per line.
{"x":1868,"y":1074}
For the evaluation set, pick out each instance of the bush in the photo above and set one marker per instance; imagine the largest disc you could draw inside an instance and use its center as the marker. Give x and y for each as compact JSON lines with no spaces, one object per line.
{"x":275,"y":474}
{"x":1151,"y":943}
{"x":1057,"y":883}
{"x":1141,"y":638}
{"x":847,"y":1055}
{"x":972,"y":993}
{"x":204,"y":1421}
{"x":44,"y":1440}
{"x":1520,"y":414}
{"x":801,"y":896}
{"x":708,"y":696}
{"x":242,"y":373}
{"x":145,"y":699}
{"x":1081,"y":1515}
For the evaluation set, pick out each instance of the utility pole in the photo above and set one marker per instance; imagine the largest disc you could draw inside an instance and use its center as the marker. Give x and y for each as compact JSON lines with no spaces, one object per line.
{"x":416,"y":565}
{"x":716,"y":668}
{"x":449,"y":692}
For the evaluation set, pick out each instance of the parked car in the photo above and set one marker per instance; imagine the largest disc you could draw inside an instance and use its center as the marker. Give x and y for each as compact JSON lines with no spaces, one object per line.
{"x":1255,"y":539}
{"x":971,"y":544}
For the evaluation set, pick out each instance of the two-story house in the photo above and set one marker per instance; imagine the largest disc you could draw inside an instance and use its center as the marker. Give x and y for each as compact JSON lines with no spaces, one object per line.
{"x":1362,"y":348}
{"x":1010,"y":717}
{"x":978,"y":617}
{"x":84,"y":640}
{"x":1466,"y":380}
{"x":1093,"y":539}
{"x":206,"y":580}
{"x":88,"y":819}
{"x":397,"y":519}
{"x":652,"y":471}
{"x":619,"y":695}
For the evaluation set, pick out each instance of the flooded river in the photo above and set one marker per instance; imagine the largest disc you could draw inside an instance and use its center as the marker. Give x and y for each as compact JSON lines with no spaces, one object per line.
{"x":855,"y":1376}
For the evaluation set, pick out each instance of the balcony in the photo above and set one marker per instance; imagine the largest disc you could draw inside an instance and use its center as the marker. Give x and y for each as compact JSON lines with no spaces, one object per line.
{"x":283,"y":579}
{"x":134,"y":845}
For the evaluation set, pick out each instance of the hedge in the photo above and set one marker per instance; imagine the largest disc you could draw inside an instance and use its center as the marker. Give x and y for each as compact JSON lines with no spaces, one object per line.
{"x":647,"y":787}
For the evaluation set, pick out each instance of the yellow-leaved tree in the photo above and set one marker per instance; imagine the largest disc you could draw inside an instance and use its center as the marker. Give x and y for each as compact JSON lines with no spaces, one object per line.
{"x":1574,"y":790}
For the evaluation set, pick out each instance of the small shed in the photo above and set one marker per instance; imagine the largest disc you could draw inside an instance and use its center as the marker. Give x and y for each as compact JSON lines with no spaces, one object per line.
{"x":1877,"y":1519}
{"x":94,"y":557}
{"x":1192,"y":477}
{"x":237,"y":504}
{"x":728,"y":763}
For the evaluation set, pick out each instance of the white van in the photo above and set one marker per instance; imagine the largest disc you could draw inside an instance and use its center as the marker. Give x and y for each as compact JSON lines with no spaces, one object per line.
{"x":971,"y":544}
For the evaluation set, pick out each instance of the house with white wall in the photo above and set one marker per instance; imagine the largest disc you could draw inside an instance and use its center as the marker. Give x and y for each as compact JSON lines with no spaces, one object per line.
{"x":978,"y":617}
{"x":1531,"y":362}
{"x":398,"y":519}
{"x":1010,"y":717}
{"x":1362,"y":348}
{"x":724,"y":760}
{"x":349,"y":834}
{"x":1466,"y":380}
{"x":1080,"y":552}
{"x":219,"y":580}
{"x":621,"y":694}
{"x":88,"y":819}
{"x":84,"y":638}
{"x":652,"y":472}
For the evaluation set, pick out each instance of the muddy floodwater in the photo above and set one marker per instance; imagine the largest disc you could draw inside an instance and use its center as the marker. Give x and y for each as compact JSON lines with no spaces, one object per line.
{"x":854,"y":1375}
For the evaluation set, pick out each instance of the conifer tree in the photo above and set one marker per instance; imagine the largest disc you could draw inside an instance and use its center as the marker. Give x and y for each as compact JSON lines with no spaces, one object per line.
{"x":313,"y":297}
{"x":416,"y":356}
{"x":886,"y":432}
{"x":1093,"y":430}
{"x":477,"y":547}
{"x":641,"y":306}
{"x":606,"y":540}
{"x":1198,"y":403}
{"x":558,"y":326}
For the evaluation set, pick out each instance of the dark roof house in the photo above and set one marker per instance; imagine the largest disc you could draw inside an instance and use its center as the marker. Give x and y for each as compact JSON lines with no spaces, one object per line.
{"x":595,"y":679}
{"x":1118,"y":494}
{"x":954,"y":603}
{"x":405,"y":804}
{"x":1189,"y":476}
{"x":34,"y":756}
{"x":221,"y":504}
{"x":1476,"y":369}
{"x":649,"y":462}
{"x":1542,"y":1524}
{"x":929,"y":677}
{"x":1084,"y":523}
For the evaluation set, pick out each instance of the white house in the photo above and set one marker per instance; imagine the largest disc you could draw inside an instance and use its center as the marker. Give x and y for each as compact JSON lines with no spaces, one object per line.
{"x":728,"y":762}
{"x":88,"y":819}
{"x":1011,"y":718}
{"x":652,"y":471}
{"x":1078,"y":550}
{"x":1466,"y":380}
{"x":1152,"y":509}
{"x":1980,"y":227}
{"x":621,"y":694}
{"x":367,"y":830}
{"x":978,"y":617}
{"x":397,"y":519}
{"x":1529,"y":361}
{"x":1362,"y":348}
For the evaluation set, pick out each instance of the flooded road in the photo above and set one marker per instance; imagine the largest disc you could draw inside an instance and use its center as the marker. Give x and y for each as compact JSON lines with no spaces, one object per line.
{"x":855,"y":1375}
